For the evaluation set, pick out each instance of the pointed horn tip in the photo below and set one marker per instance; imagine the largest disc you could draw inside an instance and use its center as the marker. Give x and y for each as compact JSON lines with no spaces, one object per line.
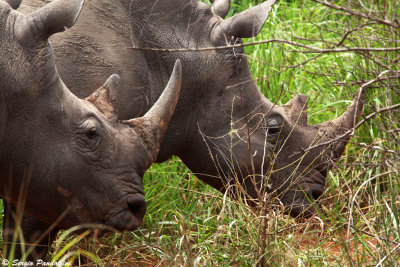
{"x":270,"y":2}
{"x":178,"y":66}
{"x":350,"y":117}
{"x":177,"y":74}
{"x":166,"y":103}
{"x":359,"y":102}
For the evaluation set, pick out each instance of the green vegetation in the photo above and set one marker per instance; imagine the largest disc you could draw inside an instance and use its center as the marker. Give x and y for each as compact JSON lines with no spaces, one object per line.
{"x":189,"y":223}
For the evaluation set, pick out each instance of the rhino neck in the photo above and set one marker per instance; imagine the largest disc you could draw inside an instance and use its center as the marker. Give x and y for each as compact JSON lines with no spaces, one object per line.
{"x":216,"y":85}
{"x":217,"y":146}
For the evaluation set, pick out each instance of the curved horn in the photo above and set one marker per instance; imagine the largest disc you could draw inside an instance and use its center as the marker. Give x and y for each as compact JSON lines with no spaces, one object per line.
{"x":165,"y":105}
{"x":50,"y":19}
{"x":154,"y":123}
{"x":221,"y":7}
{"x":244,"y":25}
{"x":14,"y":3}
{"x":346,"y":122}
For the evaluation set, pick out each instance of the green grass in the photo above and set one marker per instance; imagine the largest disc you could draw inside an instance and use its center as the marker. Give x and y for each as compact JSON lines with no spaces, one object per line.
{"x":189,"y":223}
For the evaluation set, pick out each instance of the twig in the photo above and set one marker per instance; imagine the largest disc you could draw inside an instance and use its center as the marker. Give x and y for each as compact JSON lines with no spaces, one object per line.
{"x":391,"y":252}
{"x":357,"y":13}
{"x":374,"y":236}
{"x":311,"y":49}
{"x":378,"y":148}
{"x":362,"y":82}
{"x":350,"y":223}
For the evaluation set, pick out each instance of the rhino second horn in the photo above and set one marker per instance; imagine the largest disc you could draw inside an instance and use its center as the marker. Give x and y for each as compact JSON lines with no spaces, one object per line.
{"x":246,"y":24}
{"x":48,"y":20}
{"x":14,"y":3}
{"x":106,"y":98}
{"x":221,"y":7}
{"x":296,"y":109}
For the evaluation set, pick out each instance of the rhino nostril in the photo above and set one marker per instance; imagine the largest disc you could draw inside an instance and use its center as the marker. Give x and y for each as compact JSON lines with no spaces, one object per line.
{"x":137,"y":205}
{"x":316,"y":193}
{"x":324,"y":172}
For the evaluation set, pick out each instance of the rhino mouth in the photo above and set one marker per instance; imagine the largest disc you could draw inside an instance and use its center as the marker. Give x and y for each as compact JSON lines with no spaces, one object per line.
{"x":128,"y":215}
{"x":300,"y":200}
{"x":314,"y":184}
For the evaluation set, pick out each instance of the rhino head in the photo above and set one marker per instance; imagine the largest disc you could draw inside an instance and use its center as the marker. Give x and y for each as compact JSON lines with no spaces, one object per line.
{"x":69,"y":158}
{"x":232,"y":134}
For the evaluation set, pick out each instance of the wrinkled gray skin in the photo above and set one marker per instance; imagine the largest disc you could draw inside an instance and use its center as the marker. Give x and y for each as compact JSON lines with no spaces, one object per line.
{"x":69,"y":157}
{"x":219,"y":95}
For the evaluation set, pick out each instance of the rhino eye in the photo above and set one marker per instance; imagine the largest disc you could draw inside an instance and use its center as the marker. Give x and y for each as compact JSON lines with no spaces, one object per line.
{"x":92,"y":133}
{"x":273,"y":126}
{"x":274,"y":130}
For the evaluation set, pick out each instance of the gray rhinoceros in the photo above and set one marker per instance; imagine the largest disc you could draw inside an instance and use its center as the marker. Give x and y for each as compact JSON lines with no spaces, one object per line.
{"x":223,"y":128}
{"x":65,"y":159}
{"x":222,"y":121}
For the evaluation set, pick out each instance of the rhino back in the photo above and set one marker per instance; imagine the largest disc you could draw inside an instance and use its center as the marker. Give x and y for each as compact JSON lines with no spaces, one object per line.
{"x":97,"y":47}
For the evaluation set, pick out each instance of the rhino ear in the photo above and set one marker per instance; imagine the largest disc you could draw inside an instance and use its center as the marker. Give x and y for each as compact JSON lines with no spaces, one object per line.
{"x":14,"y":3}
{"x":106,"y":98}
{"x":221,"y":7}
{"x":48,"y":20}
{"x":244,"y":25}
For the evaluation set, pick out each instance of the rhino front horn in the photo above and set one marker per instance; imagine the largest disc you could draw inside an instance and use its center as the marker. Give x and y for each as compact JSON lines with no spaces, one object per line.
{"x":154,"y":123}
{"x":343,"y":124}
{"x":48,"y":20}
{"x":163,"y":109}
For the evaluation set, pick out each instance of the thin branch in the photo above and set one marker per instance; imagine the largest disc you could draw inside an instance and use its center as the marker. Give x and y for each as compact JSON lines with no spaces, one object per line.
{"x":378,"y":148}
{"x":391,"y":252}
{"x":311,"y":49}
{"x":358,"y":14}
{"x":363,"y":82}
{"x":374,"y":236}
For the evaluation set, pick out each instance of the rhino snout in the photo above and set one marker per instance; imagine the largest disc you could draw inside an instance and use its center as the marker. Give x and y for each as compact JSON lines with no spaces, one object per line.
{"x":137,"y":206}
{"x":130,"y":216}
